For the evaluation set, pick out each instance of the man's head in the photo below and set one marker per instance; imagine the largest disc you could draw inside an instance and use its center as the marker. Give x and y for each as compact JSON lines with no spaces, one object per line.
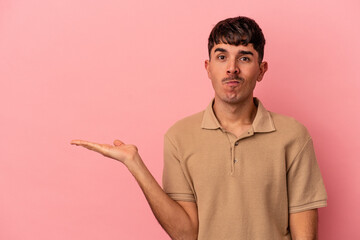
{"x":238,"y":31}
{"x":235,"y":65}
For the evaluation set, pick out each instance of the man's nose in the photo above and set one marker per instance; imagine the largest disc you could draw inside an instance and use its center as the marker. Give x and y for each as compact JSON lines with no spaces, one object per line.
{"x":232,"y":67}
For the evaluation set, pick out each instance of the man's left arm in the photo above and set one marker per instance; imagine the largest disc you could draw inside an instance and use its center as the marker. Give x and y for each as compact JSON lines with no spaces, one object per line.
{"x":304,"y":225}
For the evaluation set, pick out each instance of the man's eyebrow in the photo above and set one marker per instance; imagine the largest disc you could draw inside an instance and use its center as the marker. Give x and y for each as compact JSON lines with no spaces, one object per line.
{"x":242,"y":52}
{"x":220,"y":50}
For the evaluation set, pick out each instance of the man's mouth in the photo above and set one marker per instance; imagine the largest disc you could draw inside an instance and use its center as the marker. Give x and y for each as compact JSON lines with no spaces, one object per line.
{"x":232,"y":81}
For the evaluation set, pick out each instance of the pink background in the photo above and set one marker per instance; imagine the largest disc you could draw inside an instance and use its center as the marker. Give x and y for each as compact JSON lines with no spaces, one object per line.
{"x":101,"y":70}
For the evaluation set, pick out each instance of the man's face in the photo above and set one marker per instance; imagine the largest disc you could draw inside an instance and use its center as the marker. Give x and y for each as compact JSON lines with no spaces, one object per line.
{"x":234,"y":71}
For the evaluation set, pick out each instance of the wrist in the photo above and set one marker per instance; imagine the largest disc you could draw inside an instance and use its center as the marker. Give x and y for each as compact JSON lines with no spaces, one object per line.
{"x":134,"y":164}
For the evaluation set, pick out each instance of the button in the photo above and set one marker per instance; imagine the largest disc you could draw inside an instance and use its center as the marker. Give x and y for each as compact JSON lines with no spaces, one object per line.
{"x":236,"y":143}
{"x":235,"y":160}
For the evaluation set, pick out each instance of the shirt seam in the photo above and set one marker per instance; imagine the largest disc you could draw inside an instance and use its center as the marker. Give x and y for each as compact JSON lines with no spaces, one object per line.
{"x":175,"y":147}
{"x":308,"y":206}
{"x":300,"y":151}
{"x":305,"y":204}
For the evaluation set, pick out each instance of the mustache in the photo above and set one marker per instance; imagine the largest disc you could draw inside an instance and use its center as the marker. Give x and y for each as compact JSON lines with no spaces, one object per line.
{"x":232,"y":78}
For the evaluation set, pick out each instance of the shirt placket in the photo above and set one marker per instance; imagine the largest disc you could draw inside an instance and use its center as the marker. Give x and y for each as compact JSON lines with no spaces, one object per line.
{"x":234,"y":145}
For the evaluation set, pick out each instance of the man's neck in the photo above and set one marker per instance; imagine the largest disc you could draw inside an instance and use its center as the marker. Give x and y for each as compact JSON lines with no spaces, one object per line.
{"x":235,"y":118}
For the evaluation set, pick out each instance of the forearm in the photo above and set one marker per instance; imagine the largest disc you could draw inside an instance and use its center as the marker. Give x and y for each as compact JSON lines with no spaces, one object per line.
{"x":309,"y":237}
{"x":312,"y":237}
{"x":179,"y":221}
{"x":304,"y":225}
{"x":171,"y":216}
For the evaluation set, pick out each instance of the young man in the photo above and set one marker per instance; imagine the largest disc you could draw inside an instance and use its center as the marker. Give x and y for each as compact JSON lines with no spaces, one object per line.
{"x":235,"y":170}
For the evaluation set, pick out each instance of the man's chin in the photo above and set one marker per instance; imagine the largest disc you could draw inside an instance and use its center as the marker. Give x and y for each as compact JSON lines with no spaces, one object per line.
{"x":234,"y":100}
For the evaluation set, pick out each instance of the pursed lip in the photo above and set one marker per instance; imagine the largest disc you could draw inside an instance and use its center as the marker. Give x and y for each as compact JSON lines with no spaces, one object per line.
{"x":232,"y":83}
{"x":232,"y":80}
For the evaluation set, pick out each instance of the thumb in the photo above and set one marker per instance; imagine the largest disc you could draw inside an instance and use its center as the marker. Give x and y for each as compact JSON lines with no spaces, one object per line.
{"x":118,"y":143}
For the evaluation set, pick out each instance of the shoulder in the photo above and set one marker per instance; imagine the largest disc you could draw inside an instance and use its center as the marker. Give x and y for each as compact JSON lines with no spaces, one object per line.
{"x":290,"y":136}
{"x":289,"y":126}
{"x":186,"y":125}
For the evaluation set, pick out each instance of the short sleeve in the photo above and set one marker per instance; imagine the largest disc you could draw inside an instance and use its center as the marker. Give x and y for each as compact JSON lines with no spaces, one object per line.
{"x":174,"y":181}
{"x":306,"y":189}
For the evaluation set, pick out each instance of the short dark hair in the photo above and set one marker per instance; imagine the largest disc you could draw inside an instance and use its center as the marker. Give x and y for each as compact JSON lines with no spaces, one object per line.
{"x":238,"y":31}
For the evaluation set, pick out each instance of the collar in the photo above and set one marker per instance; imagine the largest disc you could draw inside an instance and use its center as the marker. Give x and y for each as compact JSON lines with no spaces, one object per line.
{"x":262,"y":121}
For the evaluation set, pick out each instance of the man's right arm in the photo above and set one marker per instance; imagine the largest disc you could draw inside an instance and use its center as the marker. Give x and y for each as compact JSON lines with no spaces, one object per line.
{"x":179,"y":219}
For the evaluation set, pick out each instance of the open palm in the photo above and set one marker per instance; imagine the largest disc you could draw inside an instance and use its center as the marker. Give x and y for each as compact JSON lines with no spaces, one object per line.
{"x":119,"y":151}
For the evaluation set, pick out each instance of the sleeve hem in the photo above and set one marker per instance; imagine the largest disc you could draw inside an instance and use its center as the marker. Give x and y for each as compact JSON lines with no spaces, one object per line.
{"x":308,"y":206}
{"x":182,"y":197}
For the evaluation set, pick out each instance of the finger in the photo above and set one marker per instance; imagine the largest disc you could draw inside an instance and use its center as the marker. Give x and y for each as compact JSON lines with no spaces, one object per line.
{"x":118,"y":142}
{"x":89,"y":145}
{"x":75,"y":142}
{"x":79,"y":142}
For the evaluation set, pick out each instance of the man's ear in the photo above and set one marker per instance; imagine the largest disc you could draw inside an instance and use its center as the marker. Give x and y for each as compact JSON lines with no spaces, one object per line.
{"x":207,"y":66}
{"x":263,"y":69}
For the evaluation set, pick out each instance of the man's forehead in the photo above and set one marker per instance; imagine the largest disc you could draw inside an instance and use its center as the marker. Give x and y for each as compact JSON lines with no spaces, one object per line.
{"x":234,"y":48}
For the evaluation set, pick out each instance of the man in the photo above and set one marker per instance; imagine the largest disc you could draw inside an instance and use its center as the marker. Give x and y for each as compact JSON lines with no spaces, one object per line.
{"x":235,"y":170}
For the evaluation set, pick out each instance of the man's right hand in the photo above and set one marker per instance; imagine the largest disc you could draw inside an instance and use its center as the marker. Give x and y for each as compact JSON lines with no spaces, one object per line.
{"x":124,"y":153}
{"x":179,"y":219}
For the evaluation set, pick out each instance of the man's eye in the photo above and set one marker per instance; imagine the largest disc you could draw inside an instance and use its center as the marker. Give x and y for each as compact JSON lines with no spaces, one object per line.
{"x":244,"y":59}
{"x":221,"y":57}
